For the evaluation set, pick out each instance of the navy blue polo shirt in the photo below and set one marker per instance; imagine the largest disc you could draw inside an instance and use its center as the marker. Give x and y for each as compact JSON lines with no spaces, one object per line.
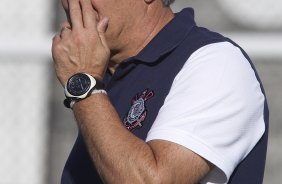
{"x":138,"y":89}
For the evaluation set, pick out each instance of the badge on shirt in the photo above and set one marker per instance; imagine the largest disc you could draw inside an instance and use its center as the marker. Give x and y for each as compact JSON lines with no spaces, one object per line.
{"x":137,"y":112}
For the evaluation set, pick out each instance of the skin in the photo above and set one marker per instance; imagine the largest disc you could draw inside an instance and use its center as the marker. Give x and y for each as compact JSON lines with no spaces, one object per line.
{"x":93,"y":40}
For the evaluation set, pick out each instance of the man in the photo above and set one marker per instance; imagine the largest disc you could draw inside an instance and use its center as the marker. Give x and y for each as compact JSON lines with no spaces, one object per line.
{"x":157,"y":99}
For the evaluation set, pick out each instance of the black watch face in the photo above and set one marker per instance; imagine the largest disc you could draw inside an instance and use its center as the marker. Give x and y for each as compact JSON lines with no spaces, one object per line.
{"x":78,"y":84}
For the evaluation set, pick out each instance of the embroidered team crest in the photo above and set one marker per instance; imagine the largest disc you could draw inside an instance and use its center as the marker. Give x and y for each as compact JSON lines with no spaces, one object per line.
{"x":138,"y":112}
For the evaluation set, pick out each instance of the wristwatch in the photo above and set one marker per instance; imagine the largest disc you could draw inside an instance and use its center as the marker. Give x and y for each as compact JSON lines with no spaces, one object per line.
{"x":80,"y":86}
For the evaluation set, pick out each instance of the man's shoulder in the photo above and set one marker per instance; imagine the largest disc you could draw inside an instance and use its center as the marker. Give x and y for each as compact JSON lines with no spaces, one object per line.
{"x":201,"y":36}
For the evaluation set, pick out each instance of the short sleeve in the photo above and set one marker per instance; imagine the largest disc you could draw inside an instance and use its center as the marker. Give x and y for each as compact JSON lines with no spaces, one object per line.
{"x":214,"y":108}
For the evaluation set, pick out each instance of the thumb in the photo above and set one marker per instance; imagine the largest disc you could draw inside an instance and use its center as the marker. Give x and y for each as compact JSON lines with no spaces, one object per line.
{"x":102,"y":27}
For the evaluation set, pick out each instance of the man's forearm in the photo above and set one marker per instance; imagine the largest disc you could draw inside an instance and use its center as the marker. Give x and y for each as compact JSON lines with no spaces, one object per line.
{"x":119,"y":156}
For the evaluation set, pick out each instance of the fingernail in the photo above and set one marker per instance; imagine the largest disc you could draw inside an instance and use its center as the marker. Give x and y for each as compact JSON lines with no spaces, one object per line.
{"x":105,"y":22}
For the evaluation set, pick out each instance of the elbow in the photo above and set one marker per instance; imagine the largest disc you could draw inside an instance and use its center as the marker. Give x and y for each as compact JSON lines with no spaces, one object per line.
{"x":151,"y":176}
{"x":139,"y":176}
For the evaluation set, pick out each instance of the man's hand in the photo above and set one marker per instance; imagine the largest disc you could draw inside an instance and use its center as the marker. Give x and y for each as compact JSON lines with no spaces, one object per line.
{"x":81,"y":46}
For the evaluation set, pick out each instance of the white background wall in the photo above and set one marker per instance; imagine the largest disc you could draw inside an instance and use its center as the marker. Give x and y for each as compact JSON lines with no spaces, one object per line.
{"x":25,"y":93}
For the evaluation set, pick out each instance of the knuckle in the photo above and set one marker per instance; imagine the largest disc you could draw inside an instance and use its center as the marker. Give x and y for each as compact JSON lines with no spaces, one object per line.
{"x":88,"y":9}
{"x":75,"y":11}
{"x":80,"y":38}
{"x":54,"y":39}
{"x":54,"y":46}
{"x":64,"y":24}
{"x":57,"y":49}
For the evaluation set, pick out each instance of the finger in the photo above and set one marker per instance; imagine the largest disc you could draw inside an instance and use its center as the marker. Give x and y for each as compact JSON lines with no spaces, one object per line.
{"x":56,"y":40}
{"x":102,"y":27}
{"x":75,"y":14}
{"x":65,"y":31}
{"x":65,"y":5}
{"x":88,"y":14}
{"x":65,"y":24}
